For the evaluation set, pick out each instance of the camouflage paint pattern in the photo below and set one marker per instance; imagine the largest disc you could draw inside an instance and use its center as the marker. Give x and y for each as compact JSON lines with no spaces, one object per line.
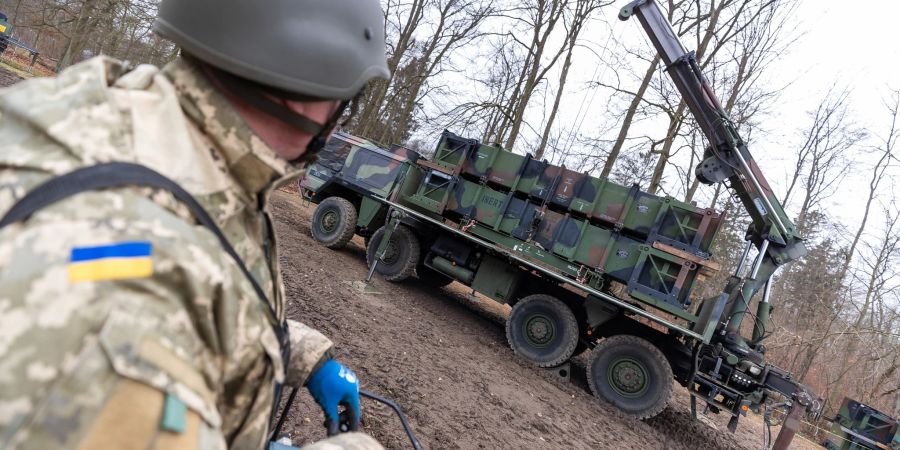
{"x":90,"y":364}
{"x":856,"y":423}
{"x":494,"y":165}
{"x":575,"y":239}
{"x":637,"y":213}
{"x":359,"y":163}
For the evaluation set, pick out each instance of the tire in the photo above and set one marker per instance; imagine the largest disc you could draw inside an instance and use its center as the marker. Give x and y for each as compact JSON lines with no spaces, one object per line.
{"x":632,"y":374}
{"x":542,"y":330}
{"x":431,"y":277}
{"x":401,"y":257}
{"x":333,"y":222}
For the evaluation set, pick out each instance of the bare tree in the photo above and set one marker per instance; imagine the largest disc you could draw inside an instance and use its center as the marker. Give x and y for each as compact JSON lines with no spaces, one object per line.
{"x":538,"y":18}
{"x":457,"y":24}
{"x":401,"y":20}
{"x":574,"y":24}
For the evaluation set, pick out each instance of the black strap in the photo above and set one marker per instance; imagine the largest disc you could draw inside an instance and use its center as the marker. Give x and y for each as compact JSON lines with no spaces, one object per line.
{"x":120,"y":174}
{"x":265,"y":99}
{"x":254,"y":95}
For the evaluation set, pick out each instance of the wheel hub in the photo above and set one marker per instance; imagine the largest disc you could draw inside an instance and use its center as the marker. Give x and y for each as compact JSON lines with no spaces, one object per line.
{"x":628,"y":377}
{"x":539,"y":330}
{"x":330,"y":221}
{"x":391,"y":252}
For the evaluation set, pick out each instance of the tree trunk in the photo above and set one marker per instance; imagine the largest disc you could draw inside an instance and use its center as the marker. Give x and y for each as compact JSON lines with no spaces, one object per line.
{"x":674,"y":125}
{"x":79,"y":35}
{"x":629,"y":118}
{"x":545,"y":136}
{"x":535,"y":71}
{"x":369,"y":115}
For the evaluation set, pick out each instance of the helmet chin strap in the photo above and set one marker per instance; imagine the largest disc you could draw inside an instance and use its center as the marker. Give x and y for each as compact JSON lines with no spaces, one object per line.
{"x":255,"y":95}
{"x":317,"y":143}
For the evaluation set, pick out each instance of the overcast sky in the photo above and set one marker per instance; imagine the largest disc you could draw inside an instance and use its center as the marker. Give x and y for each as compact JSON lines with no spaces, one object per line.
{"x":849,"y":44}
{"x":854,"y":44}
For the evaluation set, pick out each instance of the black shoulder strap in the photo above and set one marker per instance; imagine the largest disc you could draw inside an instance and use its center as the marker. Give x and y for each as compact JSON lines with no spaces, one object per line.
{"x":120,"y":174}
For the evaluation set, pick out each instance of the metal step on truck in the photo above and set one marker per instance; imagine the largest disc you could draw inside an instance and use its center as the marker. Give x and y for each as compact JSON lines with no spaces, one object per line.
{"x":587,"y":264}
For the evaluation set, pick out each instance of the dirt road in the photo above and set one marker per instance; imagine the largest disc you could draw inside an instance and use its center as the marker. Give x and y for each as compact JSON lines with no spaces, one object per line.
{"x":443,"y":356}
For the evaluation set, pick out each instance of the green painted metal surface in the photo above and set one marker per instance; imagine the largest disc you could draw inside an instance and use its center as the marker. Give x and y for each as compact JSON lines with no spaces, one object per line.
{"x":585,"y":228}
{"x":6,"y":29}
{"x":859,"y":426}
{"x":597,"y":200}
{"x":368,"y":211}
{"x":358,"y":164}
{"x":496,"y":279}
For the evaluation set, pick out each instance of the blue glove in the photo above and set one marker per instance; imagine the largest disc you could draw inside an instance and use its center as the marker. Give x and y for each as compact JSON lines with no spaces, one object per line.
{"x":333,"y":385}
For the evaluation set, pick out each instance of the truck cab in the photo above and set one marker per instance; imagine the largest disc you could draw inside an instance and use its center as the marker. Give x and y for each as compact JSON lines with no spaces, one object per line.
{"x":347,"y":182}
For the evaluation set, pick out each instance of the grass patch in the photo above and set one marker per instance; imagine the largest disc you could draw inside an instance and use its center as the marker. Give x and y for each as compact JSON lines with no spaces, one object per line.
{"x":19,"y":63}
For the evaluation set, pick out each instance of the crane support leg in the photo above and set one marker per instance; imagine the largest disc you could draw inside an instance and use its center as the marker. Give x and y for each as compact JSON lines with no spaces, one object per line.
{"x":790,"y":427}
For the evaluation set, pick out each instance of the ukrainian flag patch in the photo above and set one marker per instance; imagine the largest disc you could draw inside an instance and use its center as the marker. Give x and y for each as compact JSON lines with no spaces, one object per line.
{"x":111,"y":262}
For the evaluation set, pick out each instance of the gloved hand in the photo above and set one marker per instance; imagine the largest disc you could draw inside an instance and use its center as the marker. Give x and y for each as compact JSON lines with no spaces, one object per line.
{"x":333,"y":385}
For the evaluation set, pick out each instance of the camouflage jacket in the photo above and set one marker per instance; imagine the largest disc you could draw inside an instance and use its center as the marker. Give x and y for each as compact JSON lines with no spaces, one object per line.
{"x":116,"y":301}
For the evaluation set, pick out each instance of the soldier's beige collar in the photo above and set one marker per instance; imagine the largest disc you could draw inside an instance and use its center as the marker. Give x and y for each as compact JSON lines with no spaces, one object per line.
{"x":251,"y":161}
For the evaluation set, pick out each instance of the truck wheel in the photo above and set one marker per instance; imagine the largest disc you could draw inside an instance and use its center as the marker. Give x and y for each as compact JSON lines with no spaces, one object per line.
{"x":543,"y":330}
{"x":632,"y":374}
{"x":401,"y":255}
{"x":431,"y":277}
{"x":334,"y":222}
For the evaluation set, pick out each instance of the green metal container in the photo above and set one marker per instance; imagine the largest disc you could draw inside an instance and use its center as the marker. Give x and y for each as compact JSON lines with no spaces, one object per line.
{"x":859,"y":426}
{"x":494,"y":165}
{"x":452,"y":150}
{"x":647,"y":272}
{"x":605,"y":203}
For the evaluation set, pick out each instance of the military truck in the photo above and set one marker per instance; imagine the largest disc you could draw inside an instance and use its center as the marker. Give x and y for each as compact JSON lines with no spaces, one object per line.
{"x":587,"y":264}
{"x":347,"y":183}
{"x":859,"y":426}
{"x":5,"y":32}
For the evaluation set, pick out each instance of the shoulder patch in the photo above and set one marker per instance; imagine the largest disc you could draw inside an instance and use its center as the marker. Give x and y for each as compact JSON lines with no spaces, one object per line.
{"x":111,"y":262}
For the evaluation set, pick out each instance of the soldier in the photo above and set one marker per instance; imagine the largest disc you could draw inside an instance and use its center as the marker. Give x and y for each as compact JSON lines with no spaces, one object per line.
{"x":124,"y":322}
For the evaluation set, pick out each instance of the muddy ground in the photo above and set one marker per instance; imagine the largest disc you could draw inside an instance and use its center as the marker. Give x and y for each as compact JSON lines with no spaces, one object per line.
{"x":442,"y":355}
{"x":7,"y":78}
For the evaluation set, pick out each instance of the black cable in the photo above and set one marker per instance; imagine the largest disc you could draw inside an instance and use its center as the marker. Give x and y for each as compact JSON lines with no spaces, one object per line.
{"x":367,"y":394}
{"x":284,"y":414}
{"x":406,"y":427}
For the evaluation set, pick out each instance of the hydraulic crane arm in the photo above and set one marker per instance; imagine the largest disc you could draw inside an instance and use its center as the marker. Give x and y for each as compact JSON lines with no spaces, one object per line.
{"x":726,"y":159}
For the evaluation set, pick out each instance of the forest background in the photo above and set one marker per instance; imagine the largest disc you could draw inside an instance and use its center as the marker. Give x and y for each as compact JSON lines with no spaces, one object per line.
{"x":565,"y":81}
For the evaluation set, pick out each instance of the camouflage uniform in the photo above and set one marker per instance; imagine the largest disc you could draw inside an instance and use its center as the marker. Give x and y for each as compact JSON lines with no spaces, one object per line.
{"x":184,"y":357}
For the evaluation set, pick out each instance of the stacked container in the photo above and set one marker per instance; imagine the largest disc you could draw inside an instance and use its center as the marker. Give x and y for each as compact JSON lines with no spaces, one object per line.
{"x":647,"y":242}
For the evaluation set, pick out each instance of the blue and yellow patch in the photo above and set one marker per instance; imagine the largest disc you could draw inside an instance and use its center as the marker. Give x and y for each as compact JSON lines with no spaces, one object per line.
{"x":111,"y":262}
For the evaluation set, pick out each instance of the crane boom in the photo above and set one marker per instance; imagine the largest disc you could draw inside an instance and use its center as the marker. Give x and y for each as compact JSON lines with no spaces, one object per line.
{"x":726,"y":159}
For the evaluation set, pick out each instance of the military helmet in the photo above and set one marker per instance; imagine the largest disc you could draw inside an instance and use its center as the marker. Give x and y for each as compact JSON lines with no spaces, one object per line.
{"x":325,"y":49}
